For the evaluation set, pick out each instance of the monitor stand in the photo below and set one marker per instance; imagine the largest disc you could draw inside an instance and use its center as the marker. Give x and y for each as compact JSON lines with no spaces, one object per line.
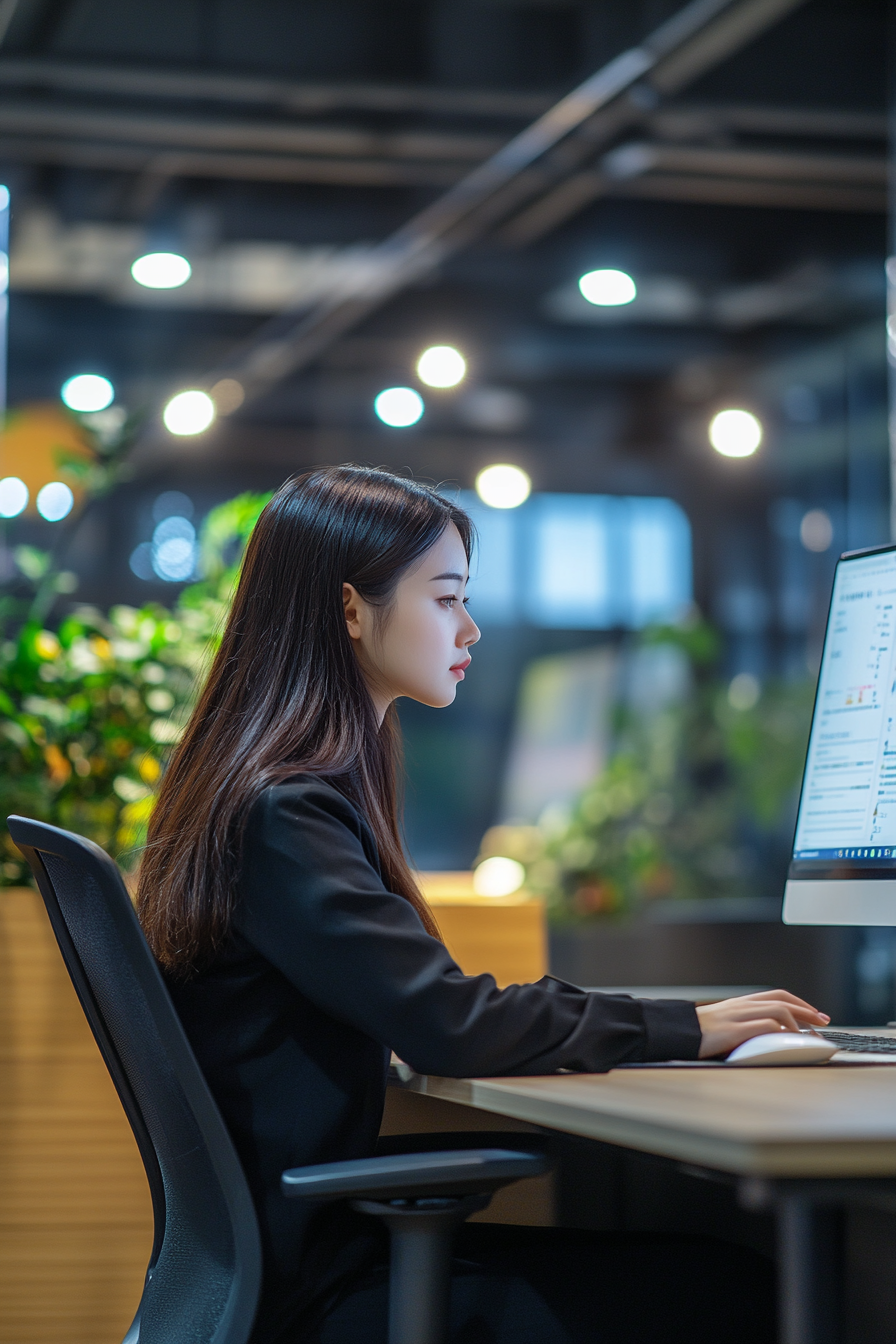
{"x":840,"y":900}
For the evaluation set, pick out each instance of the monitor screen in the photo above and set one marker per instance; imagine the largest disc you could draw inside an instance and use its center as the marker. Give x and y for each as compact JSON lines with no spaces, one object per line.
{"x":848,"y":804}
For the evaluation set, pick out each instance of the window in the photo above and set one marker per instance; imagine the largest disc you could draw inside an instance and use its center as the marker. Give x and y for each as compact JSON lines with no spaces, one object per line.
{"x":586,"y":562}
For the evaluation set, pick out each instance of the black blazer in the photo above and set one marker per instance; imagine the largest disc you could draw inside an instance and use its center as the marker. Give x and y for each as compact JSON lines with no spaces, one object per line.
{"x":325,"y":972}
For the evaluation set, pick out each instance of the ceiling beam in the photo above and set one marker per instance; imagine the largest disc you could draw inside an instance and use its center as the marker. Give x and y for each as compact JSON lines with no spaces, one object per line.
{"x":161,"y":165}
{"x":769,"y":194}
{"x":637,"y":158}
{"x":705,"y":173}
{"x":694,"y":121}
{"x":74,"y":121}
{"x":306,"y":97}
{"x":700,"y":35}
{"x":166,"y":146}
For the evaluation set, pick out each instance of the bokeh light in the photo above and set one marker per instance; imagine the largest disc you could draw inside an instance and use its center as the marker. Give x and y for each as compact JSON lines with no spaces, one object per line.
{"x":174,"y":549}
{"x":13,"y":497}
{"x":399,"y":407}
{"x":170,"y":504}
{"x":816,"y":530}
{"x":87,"y":392}
{"x":608,"y":288}
{"x":55,"y":501}
{"x":735,"y":433}
{"x":189,"y":412}
{"x":503,"y":486}
{"x":141,"y":561}
{"x":744,"y":691}
{"x":161,"y":270}
{"x":498,"y":877}
{"x":228,"y":395}
{"x":441,"y":366}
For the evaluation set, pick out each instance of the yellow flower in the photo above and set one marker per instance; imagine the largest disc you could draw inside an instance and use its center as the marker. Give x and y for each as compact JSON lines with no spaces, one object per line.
{"x":148,"y":769}
{"x":46,"y":645}
{"x":101,"y":647}
{"x":60,"y":768}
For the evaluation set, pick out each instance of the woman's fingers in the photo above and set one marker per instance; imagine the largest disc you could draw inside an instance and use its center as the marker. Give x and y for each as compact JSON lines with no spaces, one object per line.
{"x":765,"y":1026}
{"x":740,"y":1016}
{"x":764,"y":1001}
{"x":731,"y":1022}
{"x":782,"y":994}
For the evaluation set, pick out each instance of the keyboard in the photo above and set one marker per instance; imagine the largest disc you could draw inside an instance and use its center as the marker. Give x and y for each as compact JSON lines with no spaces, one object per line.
{"x":860,"y":1043}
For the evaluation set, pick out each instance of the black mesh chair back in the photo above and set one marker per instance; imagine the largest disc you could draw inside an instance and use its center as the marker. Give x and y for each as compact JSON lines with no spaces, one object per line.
{"x":204,"y":1274}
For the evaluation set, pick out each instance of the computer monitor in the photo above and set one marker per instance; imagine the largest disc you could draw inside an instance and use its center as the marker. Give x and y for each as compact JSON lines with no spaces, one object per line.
{"x":843,"y":869}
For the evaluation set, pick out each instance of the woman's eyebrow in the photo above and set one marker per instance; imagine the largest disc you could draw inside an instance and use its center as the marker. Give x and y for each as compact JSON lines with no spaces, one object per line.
{"x":439,"y":578}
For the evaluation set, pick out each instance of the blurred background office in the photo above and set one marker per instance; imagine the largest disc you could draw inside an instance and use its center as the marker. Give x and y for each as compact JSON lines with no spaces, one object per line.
{"x":639,"y":329}
{"x":614,"y":272}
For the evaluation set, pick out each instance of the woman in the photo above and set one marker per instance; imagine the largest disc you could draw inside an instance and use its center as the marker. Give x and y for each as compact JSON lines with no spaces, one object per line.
{"x":277,"y":898}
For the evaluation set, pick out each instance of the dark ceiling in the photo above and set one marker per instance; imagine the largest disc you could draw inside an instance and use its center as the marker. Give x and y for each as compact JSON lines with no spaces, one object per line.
{"x":338,"y":173}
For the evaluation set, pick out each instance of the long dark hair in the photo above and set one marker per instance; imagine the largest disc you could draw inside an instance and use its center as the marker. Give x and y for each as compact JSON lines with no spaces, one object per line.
{"x":286,"y":695}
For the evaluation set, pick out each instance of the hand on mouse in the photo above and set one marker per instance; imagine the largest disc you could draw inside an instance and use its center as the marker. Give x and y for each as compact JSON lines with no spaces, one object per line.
{"x":732,"y":1021}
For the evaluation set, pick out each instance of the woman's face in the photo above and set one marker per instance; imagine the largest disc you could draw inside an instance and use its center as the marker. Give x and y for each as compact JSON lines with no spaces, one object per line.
{"x":420,"y":647}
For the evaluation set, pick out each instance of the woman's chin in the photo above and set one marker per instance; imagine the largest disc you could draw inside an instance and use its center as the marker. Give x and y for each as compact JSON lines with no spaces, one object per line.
{"x":433,"y":698}
{"x":441,"y":698}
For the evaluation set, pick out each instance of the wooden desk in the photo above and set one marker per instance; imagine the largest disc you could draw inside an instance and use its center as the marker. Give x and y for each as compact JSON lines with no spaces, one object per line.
{"x":824,"y":1122}
{"x":806,"y":1142}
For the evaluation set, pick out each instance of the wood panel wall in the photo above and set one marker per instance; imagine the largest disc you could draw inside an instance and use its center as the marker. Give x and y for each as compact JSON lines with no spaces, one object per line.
{"x":75,"y":1214}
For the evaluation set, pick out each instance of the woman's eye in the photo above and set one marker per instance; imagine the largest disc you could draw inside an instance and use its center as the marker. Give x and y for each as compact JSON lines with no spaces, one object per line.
{"x":448,"y":602}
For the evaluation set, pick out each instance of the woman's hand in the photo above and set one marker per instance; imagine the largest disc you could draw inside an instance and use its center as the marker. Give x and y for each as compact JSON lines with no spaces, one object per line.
{"x":733,"y":1021}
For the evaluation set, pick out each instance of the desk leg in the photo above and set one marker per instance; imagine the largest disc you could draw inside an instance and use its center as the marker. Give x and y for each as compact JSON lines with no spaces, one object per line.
{"x":810,"y":1270}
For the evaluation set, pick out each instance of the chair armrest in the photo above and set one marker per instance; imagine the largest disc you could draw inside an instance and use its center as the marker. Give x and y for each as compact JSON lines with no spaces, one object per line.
{"x":414,"y":1175}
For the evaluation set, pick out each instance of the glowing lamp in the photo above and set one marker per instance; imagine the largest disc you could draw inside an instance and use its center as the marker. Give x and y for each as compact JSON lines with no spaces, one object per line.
{"x":503,"y":486}
{"x":735,"y":433}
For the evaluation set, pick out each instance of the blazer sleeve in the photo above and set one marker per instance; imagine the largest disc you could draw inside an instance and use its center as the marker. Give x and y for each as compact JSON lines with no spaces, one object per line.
{"x":312,"y":903}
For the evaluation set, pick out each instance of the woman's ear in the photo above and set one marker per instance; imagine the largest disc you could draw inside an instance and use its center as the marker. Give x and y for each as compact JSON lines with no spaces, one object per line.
{"x":351,"y":602}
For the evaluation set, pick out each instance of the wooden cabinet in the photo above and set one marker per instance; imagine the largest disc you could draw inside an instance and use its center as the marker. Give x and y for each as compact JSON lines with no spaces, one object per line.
{"x":505,"y":935}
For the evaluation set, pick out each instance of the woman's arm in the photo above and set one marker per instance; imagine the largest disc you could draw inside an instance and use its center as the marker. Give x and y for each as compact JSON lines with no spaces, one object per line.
{"x":314,"y":905}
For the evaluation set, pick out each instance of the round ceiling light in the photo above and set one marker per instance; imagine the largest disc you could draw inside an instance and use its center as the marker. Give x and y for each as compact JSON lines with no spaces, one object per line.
{"x":54,"y":502}
{"x":399,"y":407}
{"x":441,"y":366}
{"x":189,"y":412}
{"x":735,"y":433}
{"x":503,"y":486}
{"x":161,"y":270}
{"x":13,"y":497}
{"x":608,"y":288}
{"x":87,"y":392}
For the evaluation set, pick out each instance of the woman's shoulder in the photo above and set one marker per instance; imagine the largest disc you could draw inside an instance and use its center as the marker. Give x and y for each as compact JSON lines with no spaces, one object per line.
{"x":304,"y":800}
{"x":311,"y":822}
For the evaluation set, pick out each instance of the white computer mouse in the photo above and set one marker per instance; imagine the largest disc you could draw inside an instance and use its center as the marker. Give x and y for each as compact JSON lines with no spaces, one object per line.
{"x":782,"y":1047}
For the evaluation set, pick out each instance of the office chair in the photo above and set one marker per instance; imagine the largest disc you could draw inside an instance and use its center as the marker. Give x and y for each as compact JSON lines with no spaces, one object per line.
{"x":204,"y":1275}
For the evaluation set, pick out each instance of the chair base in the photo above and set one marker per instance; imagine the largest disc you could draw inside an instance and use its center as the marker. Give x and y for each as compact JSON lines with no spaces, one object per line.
{"x":421,"y":1232}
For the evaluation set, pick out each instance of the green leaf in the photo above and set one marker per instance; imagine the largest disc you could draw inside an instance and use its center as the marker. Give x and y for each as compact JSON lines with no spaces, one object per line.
{"x":34,"y":564}
{"x":226,"y":531}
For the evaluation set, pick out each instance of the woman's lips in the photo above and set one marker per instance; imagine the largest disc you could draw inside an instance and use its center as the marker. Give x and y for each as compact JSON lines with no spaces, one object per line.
{"x":459,"y":668}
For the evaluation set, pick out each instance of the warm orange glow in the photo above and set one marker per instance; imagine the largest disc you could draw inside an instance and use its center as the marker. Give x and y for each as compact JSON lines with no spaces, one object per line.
{"x":29,"y":443}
